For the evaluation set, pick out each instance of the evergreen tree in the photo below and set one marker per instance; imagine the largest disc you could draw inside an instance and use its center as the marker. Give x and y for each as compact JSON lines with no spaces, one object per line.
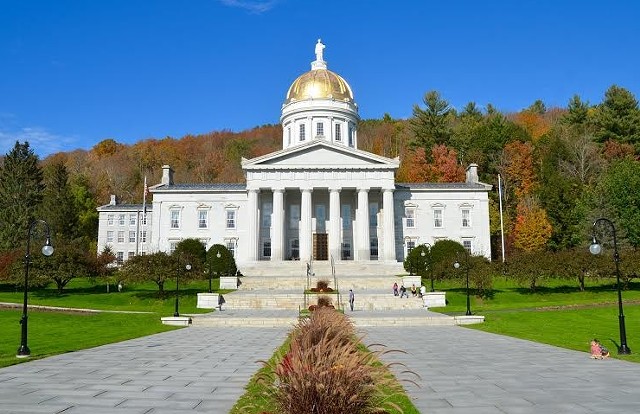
{"x":58,"y":204}
{"x":431,"y":125}
{"x":578,"y":111}
{"x":618,"y":117}
{"x":20,"y":194}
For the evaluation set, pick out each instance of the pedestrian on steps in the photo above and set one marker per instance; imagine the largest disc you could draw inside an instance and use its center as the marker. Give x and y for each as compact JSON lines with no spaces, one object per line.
{"x":352,"y":299}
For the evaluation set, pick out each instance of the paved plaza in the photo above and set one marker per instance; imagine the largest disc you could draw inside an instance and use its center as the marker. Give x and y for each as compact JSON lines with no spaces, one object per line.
{"x":204,"y":369}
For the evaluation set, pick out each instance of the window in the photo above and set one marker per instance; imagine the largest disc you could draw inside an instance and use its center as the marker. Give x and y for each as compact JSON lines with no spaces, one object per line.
{"x":132,"y":236}
{"x":346,"y":216}
{"x":121,"y":237}
{"x":437,"y":218}
{"x":110,"y":219}
{"x":338,"y":132}
{"x":350,"y":135}
{"x":294,"y":216}
{"x":320,"y":129}
{"x":231,"y":246}
{"x":289,"y":136}
{"x":121,"y":219}
{"x":143,"y":236}
{"x":466,"y":218}
{"x":231,"y":219}
{"x":346,"y":250}
{"x":267,"y":209}
{"x":119,"y":258}
{"x":266,"y":248}
{"x":130,"y":255}
{"x":295,"y":249}
{"x":373,"y":246}
{"x":172,"y":246}
{"x":410,"y":213}
{"x":321,"y":218}
{"x":302,"y":132}
{"x":132,"y":219}
{"x":110,"y":236}
{"x":467,"y":245}
{"x":203,"y":219}
{"x":144,"y":219}
{"x":373,"y":214}
{"x":175,"y":219}
{"x":411,"y":244}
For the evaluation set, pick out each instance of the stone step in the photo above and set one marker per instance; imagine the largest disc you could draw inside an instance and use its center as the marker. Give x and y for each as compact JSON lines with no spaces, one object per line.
{"x":321,"y":268}
{"x":395,"y":318}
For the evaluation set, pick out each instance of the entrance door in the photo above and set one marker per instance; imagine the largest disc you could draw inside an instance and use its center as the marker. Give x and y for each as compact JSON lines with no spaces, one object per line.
{"x":320,"y":246}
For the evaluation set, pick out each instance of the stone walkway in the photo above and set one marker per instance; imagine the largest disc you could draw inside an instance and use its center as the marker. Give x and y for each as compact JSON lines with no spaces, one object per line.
{"x":469,"y":371}
{"x":183,"y":371}
{"x":205,"y":370}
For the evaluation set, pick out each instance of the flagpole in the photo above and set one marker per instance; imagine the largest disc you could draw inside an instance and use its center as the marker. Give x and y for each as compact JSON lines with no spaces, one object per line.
{"x":501,"y":221}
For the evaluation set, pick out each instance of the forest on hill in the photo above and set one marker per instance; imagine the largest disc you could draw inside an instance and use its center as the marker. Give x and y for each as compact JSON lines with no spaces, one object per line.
{"x":560,"y":167}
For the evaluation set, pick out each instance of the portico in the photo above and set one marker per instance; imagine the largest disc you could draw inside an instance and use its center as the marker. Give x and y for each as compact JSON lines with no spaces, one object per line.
{"x":307,"y":209}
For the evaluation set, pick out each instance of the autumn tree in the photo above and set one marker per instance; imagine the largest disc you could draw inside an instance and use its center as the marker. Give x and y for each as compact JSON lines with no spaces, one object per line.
{"x":21,"y":190}
{"x":532,"y":229}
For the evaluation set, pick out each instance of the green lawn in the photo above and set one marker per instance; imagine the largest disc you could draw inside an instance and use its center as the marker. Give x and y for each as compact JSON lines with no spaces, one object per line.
{"x":84,"y":293}
{"x":52,"y":333}
{"x":557,"y":314}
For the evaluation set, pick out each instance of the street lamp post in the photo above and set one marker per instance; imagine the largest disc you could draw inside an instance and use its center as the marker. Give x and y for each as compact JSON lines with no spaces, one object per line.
{"x":423,"y":254}
{"x":47,"y":250}
{"x":218,"y":255}
{"x":187,"y":267}
{"x":596,"y":248}
{"x":457,"y":266}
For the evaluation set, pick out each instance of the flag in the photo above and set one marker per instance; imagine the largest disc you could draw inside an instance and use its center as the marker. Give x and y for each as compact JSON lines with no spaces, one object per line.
{"x":144,"y":197}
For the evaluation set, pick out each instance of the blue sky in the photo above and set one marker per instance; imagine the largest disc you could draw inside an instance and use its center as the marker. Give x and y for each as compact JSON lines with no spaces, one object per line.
{"x":75,"y":72}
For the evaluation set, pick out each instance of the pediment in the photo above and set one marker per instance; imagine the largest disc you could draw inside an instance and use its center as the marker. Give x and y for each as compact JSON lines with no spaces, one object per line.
{"x":320,"y":154}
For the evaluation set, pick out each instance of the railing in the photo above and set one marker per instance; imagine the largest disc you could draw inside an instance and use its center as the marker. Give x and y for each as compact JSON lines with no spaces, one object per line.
{"x":335,"y":283}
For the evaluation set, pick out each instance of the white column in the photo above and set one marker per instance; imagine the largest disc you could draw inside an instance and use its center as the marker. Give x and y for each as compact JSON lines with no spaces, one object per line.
{"x":305,"y":225}
{"x":388,"y":225}
{"x":363,"y":247}
{"x":253,"y":229}
{"x":277,"y":225}
{"x":334,"y":223}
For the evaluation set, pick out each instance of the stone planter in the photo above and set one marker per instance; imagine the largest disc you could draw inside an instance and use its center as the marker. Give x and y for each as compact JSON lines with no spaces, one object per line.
{"x":207,"y":300}
{"x":228,"y":282}
{"x":434,"y":299}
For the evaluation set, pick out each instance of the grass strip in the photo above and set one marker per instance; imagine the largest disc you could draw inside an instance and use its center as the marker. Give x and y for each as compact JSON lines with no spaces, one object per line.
{"x":52,"y":333}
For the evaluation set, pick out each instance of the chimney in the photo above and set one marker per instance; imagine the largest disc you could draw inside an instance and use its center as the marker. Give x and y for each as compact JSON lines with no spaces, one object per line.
{"x":472,"y":173}
{"x":167,"y":175}
{"x":113,"y":201}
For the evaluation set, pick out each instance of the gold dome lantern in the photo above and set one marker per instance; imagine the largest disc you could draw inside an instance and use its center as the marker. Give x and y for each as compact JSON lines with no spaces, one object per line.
{"x":319,"y":84}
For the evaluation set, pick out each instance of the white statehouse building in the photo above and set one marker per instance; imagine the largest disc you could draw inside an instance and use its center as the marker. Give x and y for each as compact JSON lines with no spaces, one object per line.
{"x":320,"y":198}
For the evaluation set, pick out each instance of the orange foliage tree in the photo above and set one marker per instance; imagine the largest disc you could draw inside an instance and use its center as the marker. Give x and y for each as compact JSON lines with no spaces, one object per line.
{"x":532,"y":228}
{"x":518,"y":167}
{"x":443,"y":168}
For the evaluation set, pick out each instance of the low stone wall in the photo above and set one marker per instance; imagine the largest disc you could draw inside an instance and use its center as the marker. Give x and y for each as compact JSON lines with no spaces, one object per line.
{"x":228,"y":282}
{"x":208,"y":300}
{"x":434,"y":299}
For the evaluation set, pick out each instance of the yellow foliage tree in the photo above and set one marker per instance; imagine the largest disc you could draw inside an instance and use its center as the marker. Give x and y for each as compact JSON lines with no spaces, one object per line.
{"x":532,"y":229}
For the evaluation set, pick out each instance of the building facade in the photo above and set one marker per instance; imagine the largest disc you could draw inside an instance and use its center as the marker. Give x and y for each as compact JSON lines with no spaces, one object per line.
{"x":318,"y":198}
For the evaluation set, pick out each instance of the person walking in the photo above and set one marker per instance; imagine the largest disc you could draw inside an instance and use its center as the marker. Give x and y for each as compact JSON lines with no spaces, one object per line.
{"x":352,"y":299}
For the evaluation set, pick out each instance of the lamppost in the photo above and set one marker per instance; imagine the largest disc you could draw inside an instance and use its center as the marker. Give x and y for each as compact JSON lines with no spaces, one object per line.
{"x":187,"y":267}
{"x":423,"y":254}
{"x":218,"y":255}
{"x":457,"y":266}
{"x":47,"y":250}
{"x":596,"y":248}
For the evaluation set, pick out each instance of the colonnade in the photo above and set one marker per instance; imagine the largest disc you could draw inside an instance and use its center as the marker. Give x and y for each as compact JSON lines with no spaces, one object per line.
{"x":361,"y":230}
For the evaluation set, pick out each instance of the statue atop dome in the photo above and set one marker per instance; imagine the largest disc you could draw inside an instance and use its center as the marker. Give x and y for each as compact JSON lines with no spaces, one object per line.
{"x":319,"y":63}
{"x":319,"y":48}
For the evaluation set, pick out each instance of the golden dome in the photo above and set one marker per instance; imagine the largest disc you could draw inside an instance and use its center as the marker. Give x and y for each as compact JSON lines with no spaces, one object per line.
{"x":319,"y":84}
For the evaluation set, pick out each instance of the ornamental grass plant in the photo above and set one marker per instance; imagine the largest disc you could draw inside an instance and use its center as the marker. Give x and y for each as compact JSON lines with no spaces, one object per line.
{"x":326,"y":371}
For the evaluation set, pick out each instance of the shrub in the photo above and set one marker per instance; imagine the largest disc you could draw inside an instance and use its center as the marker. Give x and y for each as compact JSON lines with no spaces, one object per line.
{"x":324,"y":301}
{"x":322,"y":285}
{"x":325,"y":371}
